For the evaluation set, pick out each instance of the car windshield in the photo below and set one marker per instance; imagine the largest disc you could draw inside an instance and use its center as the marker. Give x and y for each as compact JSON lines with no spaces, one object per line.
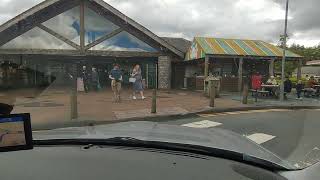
{"x":241,"y":75}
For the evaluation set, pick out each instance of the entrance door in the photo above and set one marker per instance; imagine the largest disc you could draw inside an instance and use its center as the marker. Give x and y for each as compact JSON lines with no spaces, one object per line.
{"x":151,"y":78}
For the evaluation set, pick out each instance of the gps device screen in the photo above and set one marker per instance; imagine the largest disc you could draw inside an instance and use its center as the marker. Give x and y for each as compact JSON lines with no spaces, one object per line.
{"x":15,"y":132}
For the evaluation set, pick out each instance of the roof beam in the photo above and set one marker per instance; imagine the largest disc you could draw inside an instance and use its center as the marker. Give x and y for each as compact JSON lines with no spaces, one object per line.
{"x":58,"y":36}
{"x":82,"y":27}
{"x":39,"y":51}
{"x":121,"y":23}
{"x":103,"y":38}
{"x":78,"y":53}
{"x":127,"y":24}
{"x":33,"y":17}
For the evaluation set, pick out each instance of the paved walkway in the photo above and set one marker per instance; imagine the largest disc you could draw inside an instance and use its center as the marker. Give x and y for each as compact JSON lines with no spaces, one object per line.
{"x":53,"y":105}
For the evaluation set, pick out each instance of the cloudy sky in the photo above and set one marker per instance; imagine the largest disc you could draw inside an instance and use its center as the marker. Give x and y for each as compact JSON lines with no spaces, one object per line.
{"x":250,"y":19}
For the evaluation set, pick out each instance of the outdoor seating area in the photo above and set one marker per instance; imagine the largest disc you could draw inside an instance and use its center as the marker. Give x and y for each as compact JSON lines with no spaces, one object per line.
{"x":309,"y":88}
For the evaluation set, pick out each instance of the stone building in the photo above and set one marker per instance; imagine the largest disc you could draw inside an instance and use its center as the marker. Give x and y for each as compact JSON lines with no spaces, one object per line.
{"x":56,"y":37}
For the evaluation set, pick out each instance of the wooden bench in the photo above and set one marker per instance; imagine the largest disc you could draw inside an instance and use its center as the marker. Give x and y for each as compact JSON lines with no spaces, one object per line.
{"x":260,"y":93}
{"x":263,"y":93}
{"x":252,"y":91}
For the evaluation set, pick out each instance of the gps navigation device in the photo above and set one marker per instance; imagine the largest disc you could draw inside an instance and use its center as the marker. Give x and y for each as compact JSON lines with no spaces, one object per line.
{"x":15,"y":132}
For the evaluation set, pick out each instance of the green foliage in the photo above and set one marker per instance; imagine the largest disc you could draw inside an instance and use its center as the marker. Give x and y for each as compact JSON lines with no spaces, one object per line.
{"x":294,"y":80}
{"x":290,"y":66}
{"x":308,"y":53}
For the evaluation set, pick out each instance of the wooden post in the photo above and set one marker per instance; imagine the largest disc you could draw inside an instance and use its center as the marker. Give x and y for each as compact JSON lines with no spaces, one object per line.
{"x":147,"y":76}
{"x":212,"y":92}
{"x":271,"y":67}
{"x":156,"y":64}
{"x":206,"y":74}
{"x":82,"y":27}
{"x":240,"y":76}
{"x":35,"y":75}
{"x":154,"y":102}
{"x":299,"y":73}
{"x":74,"y":91}
{"x":256,"y":95}
{"x":245,"y":93}
{"x":206,"y":67}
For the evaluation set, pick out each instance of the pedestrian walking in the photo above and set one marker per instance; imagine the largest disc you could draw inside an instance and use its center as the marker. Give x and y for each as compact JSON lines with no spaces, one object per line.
{"x":287,"y":87}
{"x":136,"y":79}
{"x":116,"y":78}
{"x":85,"y":78}
{"x":94,"y":79}
{"x":299,"y":88}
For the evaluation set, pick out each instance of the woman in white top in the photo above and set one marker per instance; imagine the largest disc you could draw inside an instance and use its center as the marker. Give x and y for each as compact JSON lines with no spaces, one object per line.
{"x":137,"y":84}
{"x":272,"y":81}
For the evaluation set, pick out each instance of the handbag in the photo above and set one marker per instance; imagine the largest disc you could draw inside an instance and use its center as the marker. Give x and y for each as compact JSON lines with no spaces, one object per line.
{"x":132,"y":80}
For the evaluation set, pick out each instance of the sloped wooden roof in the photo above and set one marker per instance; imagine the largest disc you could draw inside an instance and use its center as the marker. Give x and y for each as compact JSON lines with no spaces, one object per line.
{"x":180,"y":43}
{"x":50,"y":8}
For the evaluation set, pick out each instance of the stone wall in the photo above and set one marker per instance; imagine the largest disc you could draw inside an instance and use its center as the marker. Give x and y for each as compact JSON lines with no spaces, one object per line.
{"x":164,"y":72}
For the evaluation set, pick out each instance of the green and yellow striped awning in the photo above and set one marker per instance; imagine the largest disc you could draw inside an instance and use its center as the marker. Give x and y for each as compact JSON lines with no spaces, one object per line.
{"x":202,"y":46}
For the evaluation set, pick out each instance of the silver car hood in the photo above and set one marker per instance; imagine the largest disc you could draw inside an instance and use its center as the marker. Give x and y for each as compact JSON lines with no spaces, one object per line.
{"x":152,"y":131}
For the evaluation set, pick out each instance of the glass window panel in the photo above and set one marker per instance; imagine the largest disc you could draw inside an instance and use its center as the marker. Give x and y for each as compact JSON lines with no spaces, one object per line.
{"x":36,"y":38}
{"x":124,"y":42}
{"x":67,"y":24}
{"x":96,"y":26}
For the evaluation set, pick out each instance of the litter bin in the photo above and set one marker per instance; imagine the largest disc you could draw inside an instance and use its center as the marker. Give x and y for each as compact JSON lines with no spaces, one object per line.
{"x":217,"y":84}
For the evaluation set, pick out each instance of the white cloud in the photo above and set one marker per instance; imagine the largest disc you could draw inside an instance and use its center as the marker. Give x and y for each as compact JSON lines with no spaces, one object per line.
{"x":36,"y":39}
{"x":250,"y":19}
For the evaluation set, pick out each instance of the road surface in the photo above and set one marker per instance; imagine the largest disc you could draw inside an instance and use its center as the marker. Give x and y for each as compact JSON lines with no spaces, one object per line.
{"x":291,"y":134}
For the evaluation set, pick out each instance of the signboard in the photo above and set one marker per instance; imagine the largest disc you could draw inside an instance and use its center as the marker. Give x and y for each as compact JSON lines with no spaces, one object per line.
{"x":15,"y":132}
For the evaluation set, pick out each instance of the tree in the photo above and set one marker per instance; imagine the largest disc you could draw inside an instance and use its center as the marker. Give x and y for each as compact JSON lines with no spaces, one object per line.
{"x":308,"y":53}
{"x":290,"y":66}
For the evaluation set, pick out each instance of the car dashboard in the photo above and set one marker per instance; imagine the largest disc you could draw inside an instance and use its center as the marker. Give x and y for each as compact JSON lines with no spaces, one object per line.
{"x":109,"y":162}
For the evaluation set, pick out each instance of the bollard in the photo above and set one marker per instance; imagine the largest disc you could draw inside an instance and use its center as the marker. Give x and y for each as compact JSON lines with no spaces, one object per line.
{"x":74,"y":105}
{"x":245,"y":94}
{"x":212,"y":93}
{"x":154,"y":102}
{"x":256,"y":96}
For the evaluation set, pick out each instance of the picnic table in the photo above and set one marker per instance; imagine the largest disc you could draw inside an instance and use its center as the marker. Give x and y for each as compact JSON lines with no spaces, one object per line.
{"x":270,"y":86}
{"x":275,"y":88}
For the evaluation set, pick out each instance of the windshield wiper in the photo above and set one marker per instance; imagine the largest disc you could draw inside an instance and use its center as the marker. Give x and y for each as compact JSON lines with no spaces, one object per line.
{"x":196,"y":149}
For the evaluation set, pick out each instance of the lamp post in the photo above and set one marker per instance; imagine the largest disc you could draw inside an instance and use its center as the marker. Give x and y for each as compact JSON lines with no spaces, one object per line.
{"x":284,"y":46}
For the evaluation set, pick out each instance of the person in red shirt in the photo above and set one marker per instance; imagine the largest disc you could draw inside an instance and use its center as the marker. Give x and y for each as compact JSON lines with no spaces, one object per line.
{"x":256,"y":81}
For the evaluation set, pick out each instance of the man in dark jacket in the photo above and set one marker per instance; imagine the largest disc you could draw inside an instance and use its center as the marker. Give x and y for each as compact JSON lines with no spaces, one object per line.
{"x":287,"y":86}
{"x":94,"y":79}
{"x":85,"y":78}
{"x":299,"y":89}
